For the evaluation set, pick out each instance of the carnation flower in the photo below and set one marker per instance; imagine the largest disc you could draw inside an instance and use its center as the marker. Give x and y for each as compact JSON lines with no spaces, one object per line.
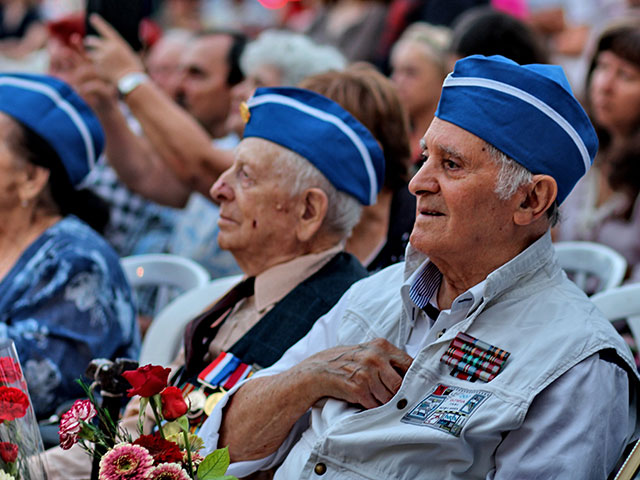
{"x":6,"y":476}
{"x":169,"y":471}
{"x":160,"y":449}
{"x":9,"y":370}
{"x":173,"y":404}
{"x":147,"y":381}
{"x":13,"y":403}
{"x":71,"y":422}
{"x":126,"y":461}
{"x":8,"y":452}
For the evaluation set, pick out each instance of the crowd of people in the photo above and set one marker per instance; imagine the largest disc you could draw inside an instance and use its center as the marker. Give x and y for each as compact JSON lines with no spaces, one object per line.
{"x":387,"y":176}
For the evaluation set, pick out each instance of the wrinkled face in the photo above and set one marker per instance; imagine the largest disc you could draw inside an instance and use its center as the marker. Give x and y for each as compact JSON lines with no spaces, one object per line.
{"x":257,"y":214}
{"x":615,"y":93}
{"x":458,"y":213}
{"x":263,"y":76}
{"x":12,"y":171}
{"x":419,"y":79}
{"x":203,"y":89}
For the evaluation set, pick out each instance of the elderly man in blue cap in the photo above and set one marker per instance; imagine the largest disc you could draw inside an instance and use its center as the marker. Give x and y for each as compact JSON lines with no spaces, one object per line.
{"x":476,"y":358}
{"x":288,"y":203}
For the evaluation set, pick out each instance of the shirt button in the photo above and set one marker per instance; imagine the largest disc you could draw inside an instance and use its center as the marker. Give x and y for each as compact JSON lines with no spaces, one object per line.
{"x":441,"y":332}
{"x":402,"y":403}
{"x":320,"y":469}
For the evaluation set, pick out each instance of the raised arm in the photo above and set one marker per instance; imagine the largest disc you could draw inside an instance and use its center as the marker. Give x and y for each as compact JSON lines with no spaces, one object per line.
{"x":175,"y":135}
{"x":367,"y":375}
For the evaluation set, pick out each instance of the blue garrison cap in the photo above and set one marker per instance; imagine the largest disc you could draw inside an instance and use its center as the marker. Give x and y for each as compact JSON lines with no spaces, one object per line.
{"x":528,"y":112}
{"x":56,"y":113}
{"x":324,"y":133}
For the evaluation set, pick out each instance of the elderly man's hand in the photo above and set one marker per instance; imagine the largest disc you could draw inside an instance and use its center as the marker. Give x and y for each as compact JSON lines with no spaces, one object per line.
{"x":368,"y":374}
{"x":111,"y":55}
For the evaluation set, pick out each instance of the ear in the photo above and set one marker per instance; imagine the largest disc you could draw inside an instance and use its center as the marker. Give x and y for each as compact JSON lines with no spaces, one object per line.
{"x":34,"y":181}
{"x":313,"y":210}
{"x":535,"y":199}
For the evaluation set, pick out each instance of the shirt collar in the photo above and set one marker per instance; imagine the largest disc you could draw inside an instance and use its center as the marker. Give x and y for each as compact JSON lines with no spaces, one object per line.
{"x":275,"y":283}
{"x":424,"y":278}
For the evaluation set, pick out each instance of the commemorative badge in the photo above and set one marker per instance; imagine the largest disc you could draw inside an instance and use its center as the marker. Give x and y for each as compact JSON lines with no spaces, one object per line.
{"x":446,"y":408}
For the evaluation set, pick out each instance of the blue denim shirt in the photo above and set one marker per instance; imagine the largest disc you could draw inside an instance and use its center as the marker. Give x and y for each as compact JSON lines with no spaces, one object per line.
{"x":65,"y":302}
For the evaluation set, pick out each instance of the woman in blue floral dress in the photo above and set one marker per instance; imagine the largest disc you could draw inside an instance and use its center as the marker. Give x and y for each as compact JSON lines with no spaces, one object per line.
{"x":64,"y":299}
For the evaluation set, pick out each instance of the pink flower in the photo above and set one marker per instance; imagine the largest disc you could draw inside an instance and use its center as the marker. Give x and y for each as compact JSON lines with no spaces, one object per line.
{"x":169,"y":471}
{"x":126,"y":461}
{"x":9,"y":370}
{"x":71,"y":422}
{"x":13,"y":403}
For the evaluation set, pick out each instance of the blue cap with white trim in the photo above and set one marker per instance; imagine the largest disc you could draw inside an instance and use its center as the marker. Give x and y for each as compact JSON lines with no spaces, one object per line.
{"x":528,"y":112}
{"x":322,"y":132}
{"x":56,"y":113}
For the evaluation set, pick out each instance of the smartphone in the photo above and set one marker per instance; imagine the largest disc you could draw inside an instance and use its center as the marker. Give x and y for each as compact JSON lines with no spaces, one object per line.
{"x":123,"y":15}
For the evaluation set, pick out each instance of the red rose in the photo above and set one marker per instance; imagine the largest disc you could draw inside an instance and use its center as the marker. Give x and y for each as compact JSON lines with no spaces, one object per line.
{"x":162,"y":451}
{"x":9,"y":370}
{"x":13,"y":403}
{"x":8,"y":452}
{"x":147,"y":381}
{"x":173,"y":404}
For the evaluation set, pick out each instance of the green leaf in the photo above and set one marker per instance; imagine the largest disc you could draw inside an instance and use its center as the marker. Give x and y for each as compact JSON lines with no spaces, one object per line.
{"x":215,"y":465}
{"x":183,"y":421}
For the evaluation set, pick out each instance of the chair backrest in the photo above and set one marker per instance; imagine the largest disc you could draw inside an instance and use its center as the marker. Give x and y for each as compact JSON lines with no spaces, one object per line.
{"x":592,"y":266}
{"x":622,"y":303}
{"x":164,"y":269}
{"x":164,"y":337}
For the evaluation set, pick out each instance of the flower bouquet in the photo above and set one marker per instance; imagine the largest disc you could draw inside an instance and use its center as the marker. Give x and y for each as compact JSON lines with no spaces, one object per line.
{"x":20,"y":441}
{"x":171,"y":452}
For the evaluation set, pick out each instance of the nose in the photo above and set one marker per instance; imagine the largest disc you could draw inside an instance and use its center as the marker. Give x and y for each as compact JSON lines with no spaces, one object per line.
{"x":425,"y":180}
{"x":221,"y":190}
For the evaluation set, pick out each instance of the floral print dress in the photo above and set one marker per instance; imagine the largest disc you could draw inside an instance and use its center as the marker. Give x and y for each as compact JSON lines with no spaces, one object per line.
{"x":65,"y":302}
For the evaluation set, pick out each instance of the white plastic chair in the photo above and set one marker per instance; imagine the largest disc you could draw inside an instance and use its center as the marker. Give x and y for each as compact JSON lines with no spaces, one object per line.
{"x":592,"y":266}
{"x":172,"y":274}
{"x":164,"y":269}
{"x":622,"y":303}
{"x":164,"y":337}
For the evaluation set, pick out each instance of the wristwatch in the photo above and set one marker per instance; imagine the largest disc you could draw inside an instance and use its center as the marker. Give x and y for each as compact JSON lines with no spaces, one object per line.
{"x":131,"y":81}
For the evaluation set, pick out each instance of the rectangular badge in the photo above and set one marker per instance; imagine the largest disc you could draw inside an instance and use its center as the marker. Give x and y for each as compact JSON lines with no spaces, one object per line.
{"x":446,"y":408}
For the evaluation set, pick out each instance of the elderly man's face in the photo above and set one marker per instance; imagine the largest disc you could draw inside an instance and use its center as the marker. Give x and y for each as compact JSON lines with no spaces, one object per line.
{"x":257,"y":214}
{"x":458,"y":214}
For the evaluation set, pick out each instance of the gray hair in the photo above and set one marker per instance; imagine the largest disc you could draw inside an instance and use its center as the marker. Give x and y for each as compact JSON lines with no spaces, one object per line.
{"x":512,"y":176}
{"x":343,"y":212}
{"x":433,"y":38}
{"x":295,"y":55}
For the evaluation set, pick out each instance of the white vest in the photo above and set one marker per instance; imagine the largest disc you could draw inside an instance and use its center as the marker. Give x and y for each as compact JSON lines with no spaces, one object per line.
{"x":438,"y":426}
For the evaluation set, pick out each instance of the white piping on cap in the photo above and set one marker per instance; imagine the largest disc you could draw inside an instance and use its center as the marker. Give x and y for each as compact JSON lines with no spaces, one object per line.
{"x":63,"y":104}
{"x":528,"y":98}
{"x":330,"y":118}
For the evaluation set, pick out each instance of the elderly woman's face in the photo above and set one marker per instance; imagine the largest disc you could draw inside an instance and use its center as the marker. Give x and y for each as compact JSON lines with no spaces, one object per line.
{"x":419,"y":79}
{"x":615,"y":93}
{"x":12,"y":169}
{"x":257,"y":214}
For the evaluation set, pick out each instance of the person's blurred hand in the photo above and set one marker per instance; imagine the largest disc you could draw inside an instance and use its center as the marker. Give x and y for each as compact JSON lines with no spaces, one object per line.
{"x":110,"y":53}
{"x":70,"y":62}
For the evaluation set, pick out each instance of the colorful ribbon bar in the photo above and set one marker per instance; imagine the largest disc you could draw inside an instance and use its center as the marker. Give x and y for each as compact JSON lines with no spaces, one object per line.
{"x":473,"y":359}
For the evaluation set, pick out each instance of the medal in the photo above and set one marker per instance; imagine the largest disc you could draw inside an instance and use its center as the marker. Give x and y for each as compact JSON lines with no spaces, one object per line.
{"x":211,"y":402}
{"x":196,"y":400}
